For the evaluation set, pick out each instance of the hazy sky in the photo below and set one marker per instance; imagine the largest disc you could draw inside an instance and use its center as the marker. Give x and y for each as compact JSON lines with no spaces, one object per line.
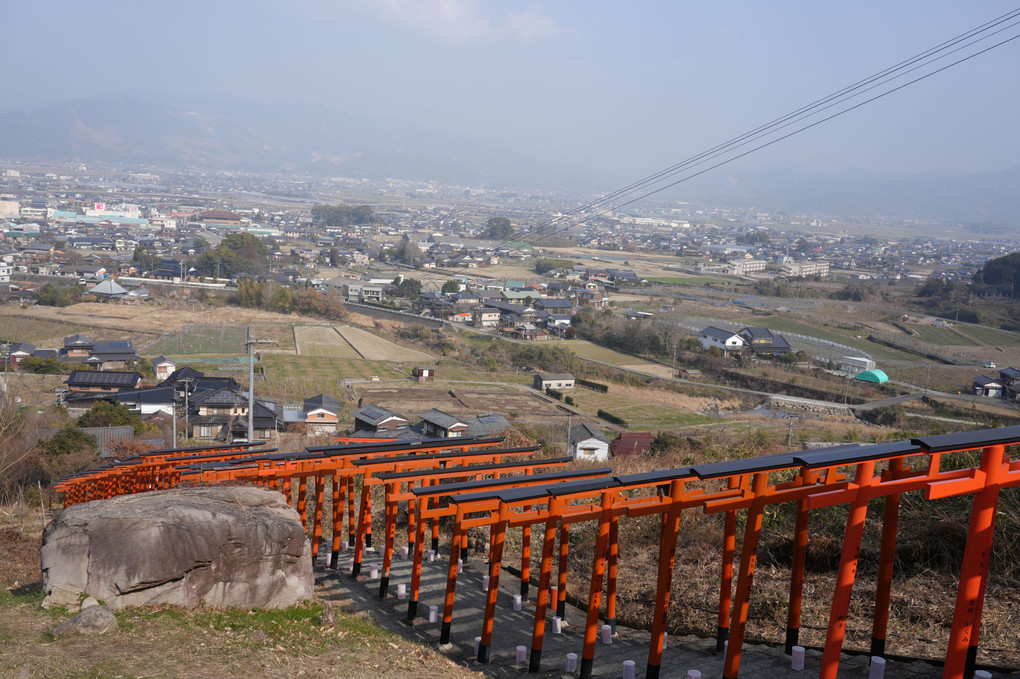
{"x":636,"y":85}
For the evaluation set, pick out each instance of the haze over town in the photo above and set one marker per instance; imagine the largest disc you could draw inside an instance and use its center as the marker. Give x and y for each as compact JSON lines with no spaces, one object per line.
{"x":541,"y":95}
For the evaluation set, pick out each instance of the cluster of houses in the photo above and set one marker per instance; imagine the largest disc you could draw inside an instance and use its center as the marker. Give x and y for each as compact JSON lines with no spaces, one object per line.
{"x":78,"y":349}
{"x":1005,"y":386}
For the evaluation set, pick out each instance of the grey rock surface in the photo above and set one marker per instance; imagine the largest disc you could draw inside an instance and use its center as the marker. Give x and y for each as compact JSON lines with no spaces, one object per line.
{"x":91,"y":620}
{"x":216,"y":546}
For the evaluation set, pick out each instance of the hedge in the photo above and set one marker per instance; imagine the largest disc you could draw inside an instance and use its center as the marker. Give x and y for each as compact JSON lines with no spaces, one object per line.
{"x":596,"y":386}
{"x":609,"y":417}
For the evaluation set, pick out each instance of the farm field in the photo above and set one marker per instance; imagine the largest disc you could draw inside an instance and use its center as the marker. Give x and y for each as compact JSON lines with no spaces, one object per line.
{"x":644,"y":408}
{"x":594,"y":351}
{"x":295,"y":378}
{"x":323,"y":341}
{"x":992,"y":337}
{"x":201,"y":338}
{"x":460,"y":399}
{"x":375,"y":348}
{"x":941,"y":336}
{"x":695,"y":281}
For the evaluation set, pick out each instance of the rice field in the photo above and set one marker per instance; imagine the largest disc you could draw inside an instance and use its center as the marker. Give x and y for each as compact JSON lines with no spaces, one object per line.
{"x":992,"y":337}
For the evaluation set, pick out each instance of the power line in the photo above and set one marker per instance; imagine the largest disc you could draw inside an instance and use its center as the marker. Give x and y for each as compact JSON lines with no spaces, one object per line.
{"x":843,"y":96}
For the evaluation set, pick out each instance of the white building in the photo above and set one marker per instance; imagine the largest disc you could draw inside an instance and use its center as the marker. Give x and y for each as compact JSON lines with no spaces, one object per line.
{"x":588,"y":443}
{"x":725,"y":340}
{"x":855,"y":364}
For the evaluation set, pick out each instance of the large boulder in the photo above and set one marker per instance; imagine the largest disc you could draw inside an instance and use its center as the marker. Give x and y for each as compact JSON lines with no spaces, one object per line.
{"x":217,"y":546}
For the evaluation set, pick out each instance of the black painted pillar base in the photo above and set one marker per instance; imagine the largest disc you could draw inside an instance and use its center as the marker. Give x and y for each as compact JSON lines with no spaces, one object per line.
{"x":652,"y":672}
{"x":721,"y":635}
{"x":334,"y":558}
{"x":612,"y":625}
{"x":561,"y":610}
{"x":412,"y":610}
{"x":793,"y":635}
{"x":444,"y":632}
{"x":483,"y":653}
{"x":971,"y":664}
{"x":368,"y":541}
{"x":535,"y":663}
{"x":384,"y":585}
{"x":878,"y":648}
{"x":587,"y":664}
{"x":356,"y":569}
{"x":525,"y":585}
{"x":435,"y":545}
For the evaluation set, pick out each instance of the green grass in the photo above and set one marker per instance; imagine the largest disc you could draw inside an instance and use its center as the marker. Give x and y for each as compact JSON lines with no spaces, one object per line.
{"x":203,"y":339}
{"x":941,"y":336}
{"x":298,"y":377}
{"x":589,"y":350}
{"x":637,"y":414}
{"x":989,"y":336}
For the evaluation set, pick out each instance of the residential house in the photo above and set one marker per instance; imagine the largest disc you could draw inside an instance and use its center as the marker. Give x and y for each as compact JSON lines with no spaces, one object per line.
{"x":108,"y":382}
{"x":588,"y":443}
{"x":374,"y":420}
{"x":163,"y":367}
{"x":724,"y":340}
{"x":322,"y":413}
{"x":986,"y":386}
{"x":763,"y":341}
{"x":437,"y":424}
{"x":485,"y":317}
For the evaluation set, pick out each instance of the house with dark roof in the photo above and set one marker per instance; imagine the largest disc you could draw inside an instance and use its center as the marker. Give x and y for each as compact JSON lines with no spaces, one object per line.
{"x":106,"y":382}
{"x":163,"y":367}
{"x":376,"y":419}
{"x":724,"y":340}
{"x":986,"y":386}
{"x":437,"y":424}
{"x":321,"y":413}
{"x":763,"y":341}
{"x":588,"y":443}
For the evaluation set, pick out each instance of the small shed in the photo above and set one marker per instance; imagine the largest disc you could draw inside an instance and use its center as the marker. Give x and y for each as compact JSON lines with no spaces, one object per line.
{"x":986,"y":386}
{"x":545,"y":381}
{"x":877,"y":376}
{"x":855,"y":364}
{"x":425,"y":373}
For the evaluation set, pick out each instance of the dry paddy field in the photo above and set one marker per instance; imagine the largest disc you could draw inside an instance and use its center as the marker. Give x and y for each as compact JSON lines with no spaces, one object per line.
{"x":460,"y":400}
{"x":322,"y":341}
{"x":375,"y":348}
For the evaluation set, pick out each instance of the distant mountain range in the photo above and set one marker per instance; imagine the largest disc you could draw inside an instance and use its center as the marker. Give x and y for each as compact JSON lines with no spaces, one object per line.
{"x":145,"y":130}
{"x":237,"y":135}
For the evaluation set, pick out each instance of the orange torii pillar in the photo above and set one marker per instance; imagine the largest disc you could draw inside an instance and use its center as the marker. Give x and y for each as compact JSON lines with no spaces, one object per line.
{"x":598,"y":573}
{"x":963,"y":636}
{"x":339,"y":492}
{"x":664,"y":582}
{"x":544,"y":579}
{"x":729,"y":547}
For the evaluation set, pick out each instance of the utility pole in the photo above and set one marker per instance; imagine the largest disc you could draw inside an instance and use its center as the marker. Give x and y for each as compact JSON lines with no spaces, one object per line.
{"x":250,"y":346}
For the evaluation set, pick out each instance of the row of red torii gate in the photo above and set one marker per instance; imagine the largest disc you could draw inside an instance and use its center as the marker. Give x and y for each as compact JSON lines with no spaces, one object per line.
{"x":482,"y":485}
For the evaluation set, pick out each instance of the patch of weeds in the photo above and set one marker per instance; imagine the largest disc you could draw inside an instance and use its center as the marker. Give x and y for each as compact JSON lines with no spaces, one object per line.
{"x":31,"y":593}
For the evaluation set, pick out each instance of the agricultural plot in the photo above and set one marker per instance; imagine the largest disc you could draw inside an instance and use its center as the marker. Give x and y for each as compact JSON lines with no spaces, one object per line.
{"x":604,"y":354}
{"x":323,"y":341}
{"x":942,"y":336}
{"x":295,"y":378}
{"x":375,"y":348}
{"x":201,"y":338}
{"x":461,"y":400}
{"x":989,"y":336}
